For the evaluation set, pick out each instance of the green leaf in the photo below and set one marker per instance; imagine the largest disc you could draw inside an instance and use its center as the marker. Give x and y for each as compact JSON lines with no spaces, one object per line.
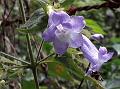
{"x":71,"y":66}
{"x":81,"y":3}
{"x":78,"y":57}
{"x":116,"y":62}
{"x":2,"y":84}
{"x":47,"y":47}
{"x":57,"y":69}
{"x":2,"y":73}
{"x":43,"y":87}
{"x":6,"y":61}
{"x":115,"y":40}
{"x":28,"y":84}
{"x":41,"y":3}
{"x":95,"y":82}
{"x":86,"y":33}
{"x":67,"y":3}
{"x":9,"y":57}
{"x":94,"y":26}
{"x":37,"y":22}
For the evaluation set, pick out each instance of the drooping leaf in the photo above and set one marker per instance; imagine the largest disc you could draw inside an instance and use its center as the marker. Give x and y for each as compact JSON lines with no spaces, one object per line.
{"x":41,"y":3}
{"x":37,"y":22}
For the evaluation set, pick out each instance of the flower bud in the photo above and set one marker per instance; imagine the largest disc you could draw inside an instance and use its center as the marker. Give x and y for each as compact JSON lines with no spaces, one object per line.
{"x":97,"y":37}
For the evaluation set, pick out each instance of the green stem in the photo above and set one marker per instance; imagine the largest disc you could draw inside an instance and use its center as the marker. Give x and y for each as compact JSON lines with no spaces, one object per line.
{"x":30,"y":49}
{"x":39,"y":51}
{"x":22,"y":10}
{"x":45,"y":58}
{"x":13,"y":58}
{"x":34,"y":70}
{"x":33,"y":65}
{"x":21,"y":66}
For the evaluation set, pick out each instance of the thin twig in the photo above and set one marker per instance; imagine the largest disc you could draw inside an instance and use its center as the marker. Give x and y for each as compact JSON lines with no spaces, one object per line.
{"x":107,"y":4}
{"x":83,"y":77}
{"x":39,"y":51}
{"x":22,"y":10}
{"x":14,"y":2}
{"x":45,"y":58}
{"x":21,"y":66}
{"x":30,"y":49}
{"x":12,"y":57}
{"x":34,"y":70}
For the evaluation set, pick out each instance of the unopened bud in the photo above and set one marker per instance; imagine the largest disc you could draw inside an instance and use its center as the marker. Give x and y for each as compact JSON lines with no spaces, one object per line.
{"x":97,"y":37}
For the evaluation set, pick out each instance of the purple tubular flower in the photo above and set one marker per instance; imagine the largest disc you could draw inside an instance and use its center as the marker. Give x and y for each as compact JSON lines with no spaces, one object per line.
{"x":97,"y":37}
{"x":64,"y":31}
{"x":94,"y":56}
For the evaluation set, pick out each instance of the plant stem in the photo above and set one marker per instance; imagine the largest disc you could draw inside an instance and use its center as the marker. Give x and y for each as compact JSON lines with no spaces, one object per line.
{"x":13,"y":58}
{"x":34,"y":70}
{"x":45,"y":58}
{"x":79,"y":87}
{"x":22,"y":11}
{"x":30,"y":50}
{"x":39,"y":51}
{"x":81,"y":83}
{"x":33,"y":65}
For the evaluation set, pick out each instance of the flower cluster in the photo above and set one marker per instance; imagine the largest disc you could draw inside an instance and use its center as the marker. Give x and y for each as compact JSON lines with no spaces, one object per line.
{"x":65,"y":31}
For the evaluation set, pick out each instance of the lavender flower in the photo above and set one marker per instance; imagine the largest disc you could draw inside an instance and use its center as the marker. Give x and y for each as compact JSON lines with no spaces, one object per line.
{"x":64,"y":31}
{"x":94,"y":56}
{"x":97,"y":37}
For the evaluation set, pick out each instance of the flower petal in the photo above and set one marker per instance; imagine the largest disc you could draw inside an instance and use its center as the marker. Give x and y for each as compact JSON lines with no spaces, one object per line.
{"x":90,"y":45}
{"x":58,"y":17}
{"x":62,"y":34}
{"x":59,"y":46}
{"x":102,"y":50}
{"x":94,"y":68}
{"x":77,"y":23}
{"x":103,"y":55}
{"x":106,"y":57}
{"x":49,"y":35}
{"x":75,"y":40}
{"x":89,"y":50}
{"x":67,"y":26}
